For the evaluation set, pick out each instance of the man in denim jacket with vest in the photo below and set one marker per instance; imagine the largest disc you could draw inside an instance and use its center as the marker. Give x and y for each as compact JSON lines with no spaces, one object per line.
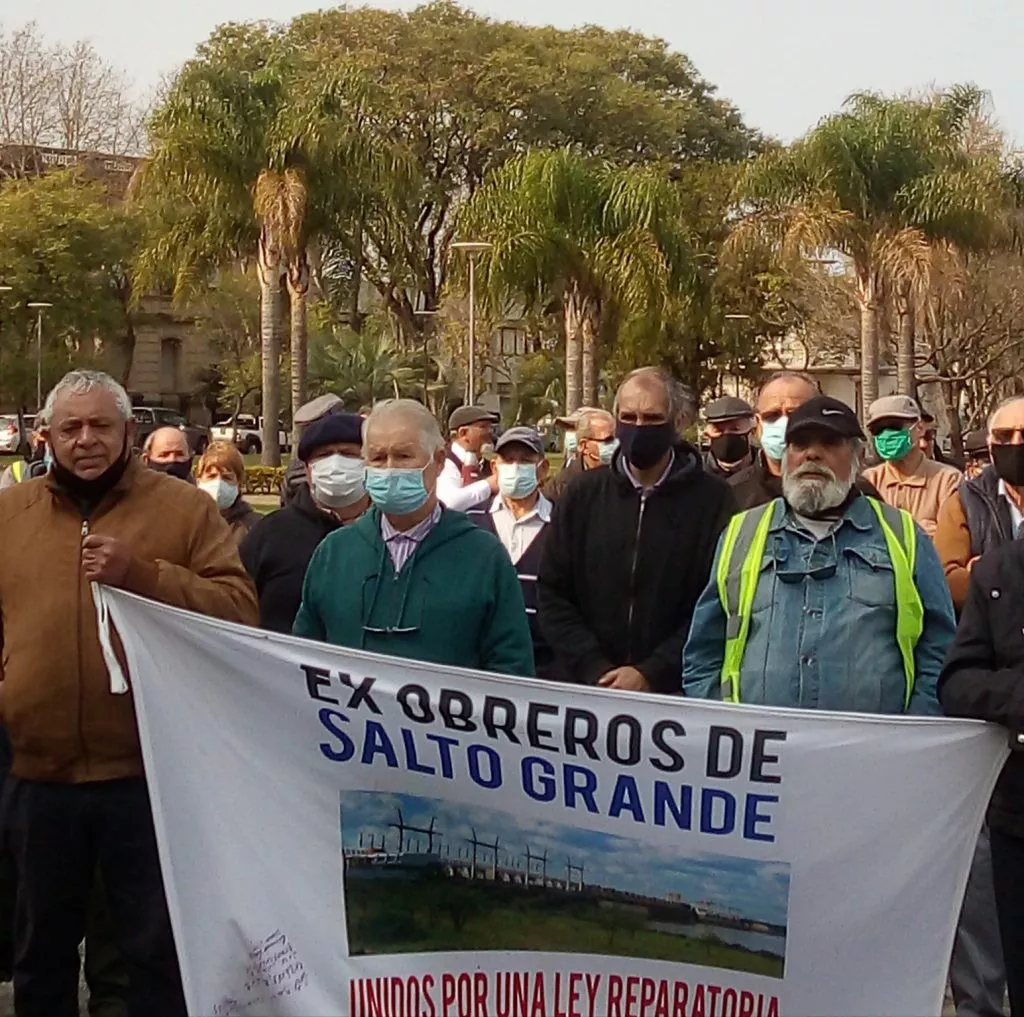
{"x":825,"y":598}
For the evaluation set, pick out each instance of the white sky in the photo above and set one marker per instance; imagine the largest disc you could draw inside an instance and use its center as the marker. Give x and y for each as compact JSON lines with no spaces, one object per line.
{"x":784,"y":63}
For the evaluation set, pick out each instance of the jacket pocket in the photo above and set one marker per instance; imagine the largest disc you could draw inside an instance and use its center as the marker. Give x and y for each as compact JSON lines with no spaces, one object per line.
{"x":870,"y":576}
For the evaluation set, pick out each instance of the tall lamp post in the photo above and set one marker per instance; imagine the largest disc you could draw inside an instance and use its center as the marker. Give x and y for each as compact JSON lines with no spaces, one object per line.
{"x":736,"y":346}
{"x":39,"y":306}
{"x":472,"y":248}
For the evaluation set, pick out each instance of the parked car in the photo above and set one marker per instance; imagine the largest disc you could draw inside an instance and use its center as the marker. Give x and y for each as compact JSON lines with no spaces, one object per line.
{"x":10,"y":434}
{"x":149,"y":418}
{"x":247,"y":433}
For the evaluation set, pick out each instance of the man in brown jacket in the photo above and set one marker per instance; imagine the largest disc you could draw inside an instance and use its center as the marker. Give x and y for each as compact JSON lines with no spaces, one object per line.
{"x":76,"y":801}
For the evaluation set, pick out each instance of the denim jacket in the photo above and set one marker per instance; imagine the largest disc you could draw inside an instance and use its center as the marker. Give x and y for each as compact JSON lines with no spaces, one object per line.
{"x":823,"y":628}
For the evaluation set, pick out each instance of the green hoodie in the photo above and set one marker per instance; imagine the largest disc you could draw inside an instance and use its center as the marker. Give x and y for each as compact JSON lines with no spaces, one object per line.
{"x":456,"y":601}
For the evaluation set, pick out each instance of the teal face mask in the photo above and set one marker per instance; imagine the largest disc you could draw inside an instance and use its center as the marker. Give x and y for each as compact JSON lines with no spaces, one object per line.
{"x":517,"y":480}
{"x":396,"y":491}
{"x":893,"y":444}
{"x":606,"y":451}
{"x":571,"y":443}
{"x":773,"y":438}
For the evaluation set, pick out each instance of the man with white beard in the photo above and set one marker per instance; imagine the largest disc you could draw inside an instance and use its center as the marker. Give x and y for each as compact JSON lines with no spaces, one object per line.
{"x":824,"y":598}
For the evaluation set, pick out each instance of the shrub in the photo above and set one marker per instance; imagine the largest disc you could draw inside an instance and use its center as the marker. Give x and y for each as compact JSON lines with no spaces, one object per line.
{"x":263,"y":479}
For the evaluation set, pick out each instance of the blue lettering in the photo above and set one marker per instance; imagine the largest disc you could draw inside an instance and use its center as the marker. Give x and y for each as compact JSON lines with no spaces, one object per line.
{"x":665,"y":802}
{"x":348,"y":749}
{"x":538,"y":779}
{"x":751,"y":818}
{"x":378,"y":743}
{"x":626,"y":798}
{"x":708,"y":798}
{"x":473,"y":756}
{"x":579,"y":782}
{"x":411,"y":760}
{"x":444,"y":747}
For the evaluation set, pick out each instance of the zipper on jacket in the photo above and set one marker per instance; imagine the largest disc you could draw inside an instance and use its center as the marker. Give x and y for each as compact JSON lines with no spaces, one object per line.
{"x":632,"y":577}
{"x":81,"y":683}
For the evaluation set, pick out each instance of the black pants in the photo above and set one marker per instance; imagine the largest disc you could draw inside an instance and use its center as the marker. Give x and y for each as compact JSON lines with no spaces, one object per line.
{"x":59,"y":835}
{"x":1008,"y":878}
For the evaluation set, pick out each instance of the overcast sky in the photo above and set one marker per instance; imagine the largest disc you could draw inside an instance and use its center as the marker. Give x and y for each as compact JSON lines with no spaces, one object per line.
{"x":785,"y":63}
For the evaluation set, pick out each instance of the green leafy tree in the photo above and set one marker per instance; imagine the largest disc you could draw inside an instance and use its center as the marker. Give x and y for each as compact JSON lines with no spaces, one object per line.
{"x":361,"y":368}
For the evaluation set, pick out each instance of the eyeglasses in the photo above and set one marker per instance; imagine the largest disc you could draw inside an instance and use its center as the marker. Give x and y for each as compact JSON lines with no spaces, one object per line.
{"x":1005,"y":435}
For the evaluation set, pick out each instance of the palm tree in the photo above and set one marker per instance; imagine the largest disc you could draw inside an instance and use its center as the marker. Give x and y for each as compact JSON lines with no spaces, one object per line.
{"x":364,"y":367}
{"x":885,"y":182}
{"x":583,"y":233}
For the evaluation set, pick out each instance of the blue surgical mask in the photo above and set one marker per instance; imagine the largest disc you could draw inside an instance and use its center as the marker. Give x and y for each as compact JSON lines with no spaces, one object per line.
{"x":48,"y":458}
{"x":517,"y":480}
{"x":571,"y":441}
{"x":773,"y":438}
{"x":395,"y":490}
{"x":606,"y":450}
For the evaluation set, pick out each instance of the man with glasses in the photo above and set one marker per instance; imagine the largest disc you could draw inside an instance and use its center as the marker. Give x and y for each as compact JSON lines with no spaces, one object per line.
{"x":595,"y":449}
{"x":822,"y":599}
{"x":906,"y":478}
{"x":410,"y":578}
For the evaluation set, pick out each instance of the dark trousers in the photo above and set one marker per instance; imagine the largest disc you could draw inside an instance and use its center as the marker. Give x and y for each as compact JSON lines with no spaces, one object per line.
{"x":59,"y":836}
{"x":1008,"y":878}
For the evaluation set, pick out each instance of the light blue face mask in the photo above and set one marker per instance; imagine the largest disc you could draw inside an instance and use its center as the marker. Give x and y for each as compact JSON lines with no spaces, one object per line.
{"x":394,"y":490}
{"x":606,"y":450}
{"x":48,"y":458}
{"x":773,"y":438}
{"x":571,"y":442}
{"x":517,"y":480}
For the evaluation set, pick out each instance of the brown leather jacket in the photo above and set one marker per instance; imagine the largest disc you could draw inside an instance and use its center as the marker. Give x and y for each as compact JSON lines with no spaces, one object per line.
{"x":55,"y":700}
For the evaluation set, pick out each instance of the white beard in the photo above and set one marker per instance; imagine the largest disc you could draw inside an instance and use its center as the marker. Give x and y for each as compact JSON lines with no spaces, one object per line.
{"x":813,"y":488}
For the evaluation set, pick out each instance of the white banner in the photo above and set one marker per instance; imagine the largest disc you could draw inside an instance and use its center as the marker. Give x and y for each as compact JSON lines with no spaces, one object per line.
{"x":349,"y":834}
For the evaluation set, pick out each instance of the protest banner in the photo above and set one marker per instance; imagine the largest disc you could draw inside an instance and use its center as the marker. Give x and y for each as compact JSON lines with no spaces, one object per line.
{"x":343,"y":833}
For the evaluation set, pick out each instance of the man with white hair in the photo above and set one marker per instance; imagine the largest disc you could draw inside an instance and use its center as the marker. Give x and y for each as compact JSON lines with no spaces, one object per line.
{"x":76,"y":801}
{"x":596,"y":445}
{"x":824,"y":598}
{"x":412,"y":578}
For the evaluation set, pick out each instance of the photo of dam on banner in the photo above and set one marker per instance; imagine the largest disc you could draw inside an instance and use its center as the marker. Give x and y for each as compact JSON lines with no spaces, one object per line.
{"x":426,"y":874}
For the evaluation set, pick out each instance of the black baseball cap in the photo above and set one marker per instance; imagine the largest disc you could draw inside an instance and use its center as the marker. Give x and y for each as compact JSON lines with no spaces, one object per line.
{"x":823,"y":413}
{"x":727,"y":408}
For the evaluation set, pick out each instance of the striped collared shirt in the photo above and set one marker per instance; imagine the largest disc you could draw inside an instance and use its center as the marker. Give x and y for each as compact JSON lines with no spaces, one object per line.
{"x":402,"y":545}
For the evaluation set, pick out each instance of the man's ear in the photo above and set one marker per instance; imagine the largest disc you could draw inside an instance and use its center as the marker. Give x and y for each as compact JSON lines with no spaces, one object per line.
{"x":543,"y":468}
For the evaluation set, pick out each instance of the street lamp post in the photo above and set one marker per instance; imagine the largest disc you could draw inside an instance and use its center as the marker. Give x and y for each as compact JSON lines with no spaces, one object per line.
{"x":736,"y":346}
{"x":472,"y":248}
{"x":40,"y":306}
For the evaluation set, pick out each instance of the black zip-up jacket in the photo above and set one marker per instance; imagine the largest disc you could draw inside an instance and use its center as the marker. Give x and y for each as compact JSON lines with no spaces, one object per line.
{"x":984,"y":672}
{"x":276,"y":553}
{"x":621,"y":573}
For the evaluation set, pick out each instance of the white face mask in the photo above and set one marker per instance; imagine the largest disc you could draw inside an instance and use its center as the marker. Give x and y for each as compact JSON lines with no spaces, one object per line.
{"x":337,"y":481}
{"x":222,"y":491}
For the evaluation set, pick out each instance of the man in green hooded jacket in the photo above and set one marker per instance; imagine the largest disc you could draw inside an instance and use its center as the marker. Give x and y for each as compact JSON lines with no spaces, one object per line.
{"x":411,"y":578}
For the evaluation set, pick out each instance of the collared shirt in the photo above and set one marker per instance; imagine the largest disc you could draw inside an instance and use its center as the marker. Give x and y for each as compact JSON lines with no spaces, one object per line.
{"x":920,"y":492}
{"x":402,"y":545}
{"x":450,"y":490}
{"x":518,"y":534}
{"x":661,"y":480}
{"x":1016,"y":516}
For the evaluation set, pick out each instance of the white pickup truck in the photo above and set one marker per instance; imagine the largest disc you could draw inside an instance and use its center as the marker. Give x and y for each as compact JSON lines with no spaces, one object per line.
{"x":246,"y":431}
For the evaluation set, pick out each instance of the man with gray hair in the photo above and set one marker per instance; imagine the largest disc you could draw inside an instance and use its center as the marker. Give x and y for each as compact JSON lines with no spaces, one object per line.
{"x":628,"y":548}
{"x":595,"y":448}
{"x":823,"y":598}
{"x":76,"y":801}
{"x":412,"y":578}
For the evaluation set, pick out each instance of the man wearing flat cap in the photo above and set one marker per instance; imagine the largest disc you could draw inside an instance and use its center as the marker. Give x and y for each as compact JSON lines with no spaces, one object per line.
{"x":278,"y":548}
{"x":308,"y":413}
{"x":824,"y":598}
{"x":728,"y":423}
{"x":464,"y":480}
{"x":906,"y":478}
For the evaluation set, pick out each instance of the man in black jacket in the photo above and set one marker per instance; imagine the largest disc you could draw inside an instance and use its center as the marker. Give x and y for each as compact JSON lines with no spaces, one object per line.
{"x":984,"y":678}
{"x":277,"y":550}
{"x":629,"y":548}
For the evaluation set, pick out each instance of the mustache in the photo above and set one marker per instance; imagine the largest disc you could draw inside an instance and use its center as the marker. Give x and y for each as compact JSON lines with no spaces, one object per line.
{"x":813,"y":470}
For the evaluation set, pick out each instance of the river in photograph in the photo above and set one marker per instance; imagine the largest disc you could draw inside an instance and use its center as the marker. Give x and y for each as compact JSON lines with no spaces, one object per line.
{"x":746,"y":938}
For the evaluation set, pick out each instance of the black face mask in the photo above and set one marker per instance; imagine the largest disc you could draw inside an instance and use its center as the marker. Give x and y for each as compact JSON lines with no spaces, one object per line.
{"x":644,"y":444}
{"x":1009,"y":463}
{"x":87,"y":494}
{"x":730,"y":448}
{"x":183,"y":471}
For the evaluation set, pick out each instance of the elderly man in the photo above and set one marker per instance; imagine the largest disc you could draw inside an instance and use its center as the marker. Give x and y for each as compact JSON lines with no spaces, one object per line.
{"x":35,"y":464}
{"x":166,"y":451}
{"x":906,"y":478}
{"x":518,"y":515}
{"x":464,"y":480}
{"x":596,"y":446}
{"x":305,"y":416}
{"x":822,"y":599}
{"x":729,"y":422}
{"x":77,"y":798}
{"x":629,"y":548}
{"x":976,"y":453}
{"x":411,"y":578}
{"x":277,"y":550}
